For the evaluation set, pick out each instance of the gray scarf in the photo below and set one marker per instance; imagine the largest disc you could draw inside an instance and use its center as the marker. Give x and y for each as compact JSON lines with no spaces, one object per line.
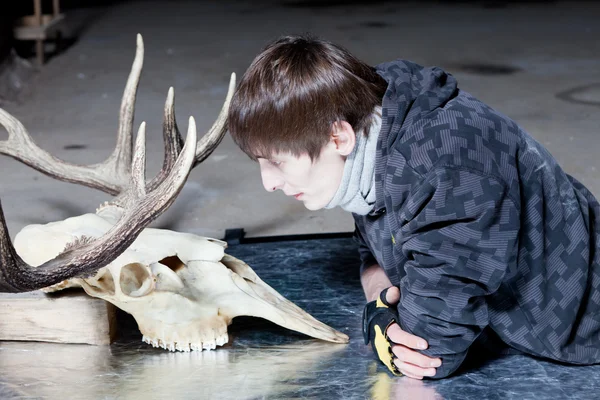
{"x":356,"y":193}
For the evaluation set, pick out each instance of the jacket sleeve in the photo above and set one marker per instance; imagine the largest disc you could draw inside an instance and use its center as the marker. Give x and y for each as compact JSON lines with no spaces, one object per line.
{"x":366,"y":256}
{"x":459,"y":232}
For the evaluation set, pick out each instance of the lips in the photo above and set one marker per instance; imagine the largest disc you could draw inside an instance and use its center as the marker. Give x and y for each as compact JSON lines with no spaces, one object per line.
{"x":298,"y":196}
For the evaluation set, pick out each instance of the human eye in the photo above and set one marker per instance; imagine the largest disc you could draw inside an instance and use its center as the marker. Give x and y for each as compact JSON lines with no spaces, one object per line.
{"x":275,"y":163}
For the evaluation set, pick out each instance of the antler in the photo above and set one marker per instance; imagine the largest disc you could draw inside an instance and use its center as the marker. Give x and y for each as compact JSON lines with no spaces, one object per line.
{"x":137,"y":204}
{"x":112,"y":175}
{"x":85,"y":257}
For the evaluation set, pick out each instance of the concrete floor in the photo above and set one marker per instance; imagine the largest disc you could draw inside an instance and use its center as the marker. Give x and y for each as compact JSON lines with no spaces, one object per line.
{"x":551,"y":51}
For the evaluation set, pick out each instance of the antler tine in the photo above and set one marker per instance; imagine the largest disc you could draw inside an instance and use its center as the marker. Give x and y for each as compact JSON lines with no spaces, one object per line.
{"x":138,"y":165}
{"x":135,"y":200}
{"x":110,"y":176}
{"x":179,"y":173}
{"x":120,"y":159}
{"x":171,"y":137}
{"x":21,"y":147}
{"x":207,"y":144}
{"x":211,"y":140}
{"x":85,"y":257}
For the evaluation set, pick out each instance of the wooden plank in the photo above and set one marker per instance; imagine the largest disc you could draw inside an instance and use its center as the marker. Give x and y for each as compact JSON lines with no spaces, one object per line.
{"x":70,"y":316}
{"x":27,"y":29}
{"x":37,"y":11}
{"x":39,"y":45}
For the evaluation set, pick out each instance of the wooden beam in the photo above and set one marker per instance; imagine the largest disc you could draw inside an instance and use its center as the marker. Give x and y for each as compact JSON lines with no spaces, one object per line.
{"x":39,"y":43}
{"x":26,"y":29}
{"x":70,"y":316}
{"x":37,"y":11}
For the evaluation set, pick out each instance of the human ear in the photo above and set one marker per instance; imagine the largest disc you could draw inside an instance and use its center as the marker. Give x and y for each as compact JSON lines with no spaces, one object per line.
{"x":343,"y":137}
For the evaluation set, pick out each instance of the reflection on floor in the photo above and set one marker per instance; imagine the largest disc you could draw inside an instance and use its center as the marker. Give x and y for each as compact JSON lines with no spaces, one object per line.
{"x":265,"y":361}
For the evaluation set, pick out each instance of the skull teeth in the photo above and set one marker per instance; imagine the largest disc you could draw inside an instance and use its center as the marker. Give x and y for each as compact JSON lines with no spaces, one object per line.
{"x":182,"y":347}
{"x":187,"y":347}
{"x":221,"y":340}
{"x":210,"y":345}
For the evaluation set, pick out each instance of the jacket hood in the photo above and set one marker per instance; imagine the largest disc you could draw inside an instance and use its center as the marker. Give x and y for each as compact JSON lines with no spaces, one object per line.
{"x":413,"y":92}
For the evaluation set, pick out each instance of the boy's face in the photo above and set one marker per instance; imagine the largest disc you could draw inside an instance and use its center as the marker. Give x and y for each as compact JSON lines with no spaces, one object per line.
{"x":312,"y":182}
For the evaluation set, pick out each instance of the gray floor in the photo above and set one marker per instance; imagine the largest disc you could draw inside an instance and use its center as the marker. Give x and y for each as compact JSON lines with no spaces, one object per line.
{"x":263,"y":361}
{"x":551,"y":53}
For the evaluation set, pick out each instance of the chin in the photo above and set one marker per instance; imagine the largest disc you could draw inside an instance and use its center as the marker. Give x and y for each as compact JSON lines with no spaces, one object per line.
{"x":313,"y":206}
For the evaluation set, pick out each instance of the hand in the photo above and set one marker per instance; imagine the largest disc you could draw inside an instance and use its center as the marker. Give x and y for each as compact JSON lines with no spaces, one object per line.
{"x":410,"y":362}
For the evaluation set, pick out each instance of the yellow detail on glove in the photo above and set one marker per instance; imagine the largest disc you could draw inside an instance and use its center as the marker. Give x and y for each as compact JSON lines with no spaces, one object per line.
{"x":384,"y":350}
{"x":380,"y":303}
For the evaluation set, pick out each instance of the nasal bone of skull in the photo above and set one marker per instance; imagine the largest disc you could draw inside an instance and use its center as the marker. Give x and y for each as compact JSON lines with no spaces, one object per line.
{"x":136,"y":280}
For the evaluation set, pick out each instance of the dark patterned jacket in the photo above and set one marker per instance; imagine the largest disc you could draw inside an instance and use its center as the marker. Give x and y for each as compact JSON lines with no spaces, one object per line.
{"x":479,"y":227}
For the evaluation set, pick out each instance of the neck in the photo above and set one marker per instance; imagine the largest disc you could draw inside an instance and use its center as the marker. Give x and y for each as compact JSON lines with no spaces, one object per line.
{"x":356,"y":193}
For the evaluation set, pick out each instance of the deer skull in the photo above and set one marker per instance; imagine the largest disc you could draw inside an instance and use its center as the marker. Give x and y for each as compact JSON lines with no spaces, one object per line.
{"x":182,"y":289}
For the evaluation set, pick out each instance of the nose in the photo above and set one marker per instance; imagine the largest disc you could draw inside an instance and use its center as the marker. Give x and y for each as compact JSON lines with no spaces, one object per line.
{"x":270,"y":179}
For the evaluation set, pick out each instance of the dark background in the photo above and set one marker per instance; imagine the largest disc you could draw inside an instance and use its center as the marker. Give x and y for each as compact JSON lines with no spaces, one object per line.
{"x":13,"y":9}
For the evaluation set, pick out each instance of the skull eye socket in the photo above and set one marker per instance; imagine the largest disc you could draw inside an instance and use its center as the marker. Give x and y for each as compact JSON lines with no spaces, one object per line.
{"x":107,"y":284}
{"x":173,"y":262}
{"x":101,"y":286}
{"x":136,"y":280}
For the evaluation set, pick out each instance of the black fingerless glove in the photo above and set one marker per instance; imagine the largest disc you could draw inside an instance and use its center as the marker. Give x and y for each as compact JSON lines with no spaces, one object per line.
{"x":378,"y":315}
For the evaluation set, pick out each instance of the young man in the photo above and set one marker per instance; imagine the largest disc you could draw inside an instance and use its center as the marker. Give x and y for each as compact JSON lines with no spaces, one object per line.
{"x":468,"y":221}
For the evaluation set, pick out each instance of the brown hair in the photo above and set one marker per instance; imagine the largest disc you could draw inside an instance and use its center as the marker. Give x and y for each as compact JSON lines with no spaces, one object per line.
{"x":293,"y":92}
